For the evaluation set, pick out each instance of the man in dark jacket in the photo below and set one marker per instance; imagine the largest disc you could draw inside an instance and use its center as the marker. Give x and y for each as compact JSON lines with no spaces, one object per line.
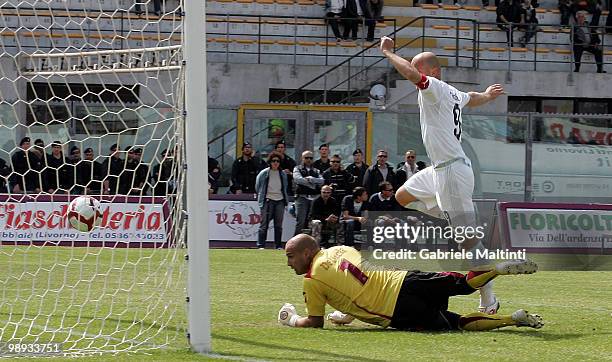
{"x":384,"y":200}
{"x":161,"y":179}
{"x":5,"y":172}
{"x":337,"y":178}
{"x":357,"y":169}
{"x":377,"y":173}
{"x":354,"y":213}
{"x":372,"y":12}
{"x":586,"y":39}
{"x":21,"y":166}
{"x":245,"y":170}
{"x":324,"y":216}
{"x":508,"y":17}
{"x":112,"y":168}
{"x":322,"y":164}
{"x":89,"y":173}
{"x":56,"y":175}
{"x":287,"y":164}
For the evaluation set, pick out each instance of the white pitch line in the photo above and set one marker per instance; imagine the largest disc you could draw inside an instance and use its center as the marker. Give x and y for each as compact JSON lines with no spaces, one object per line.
{"x":597,"y":309}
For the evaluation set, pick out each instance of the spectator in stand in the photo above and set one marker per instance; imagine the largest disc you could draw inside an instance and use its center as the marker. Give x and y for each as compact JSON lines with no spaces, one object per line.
{"x":140,"y":186}
{"x":529,"y":22}
{"x":508,"y":18}
{"x":353,"y":13}
{"x":36,"y":157}
{"x":72,"y":164}
{"x":156,"y":6}
{"x":308,"y":181}
{"x":322,"y":164}
{"x":566,"y":11}
{"x":354,"y":213}
{"x":586,"y":39}
{"x":5,"y":173}
{"x":357,"y":168}
{"x":245,"y":170}
{"x":287,"y":164}
{"x":408,"y":168}
{"x":337,"y":178}
{"x":324,"y":216}
{"x":112,"y":168}
{"x":89,"y":173}
{"x":21,"y":167}
{"x":372,"y":11}
{"x":161,"y":178}
{"x":384,"y":200}
{"x":126,"y":178}
{"x":214,"y":172}
{"x":334,"y":10}
{"x":272,"y":196}
{"x":379,"y":172}
{"x":56,"y":175}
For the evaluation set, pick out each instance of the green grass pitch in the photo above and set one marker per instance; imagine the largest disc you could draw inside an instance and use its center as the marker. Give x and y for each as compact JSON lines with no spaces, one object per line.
{"x":249,"y":286}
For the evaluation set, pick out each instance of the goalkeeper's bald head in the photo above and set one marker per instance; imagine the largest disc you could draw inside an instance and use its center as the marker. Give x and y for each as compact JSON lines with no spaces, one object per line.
{"x":300,"y":251}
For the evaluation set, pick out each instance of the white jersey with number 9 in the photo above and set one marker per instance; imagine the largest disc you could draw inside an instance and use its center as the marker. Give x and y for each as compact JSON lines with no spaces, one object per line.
{"x":440,"y":105}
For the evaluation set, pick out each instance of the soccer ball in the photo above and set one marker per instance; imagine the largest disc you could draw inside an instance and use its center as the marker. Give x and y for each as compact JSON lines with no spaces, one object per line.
{"x":84,"y":213}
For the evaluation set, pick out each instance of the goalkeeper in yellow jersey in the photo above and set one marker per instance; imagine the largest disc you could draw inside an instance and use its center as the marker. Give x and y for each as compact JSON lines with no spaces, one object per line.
{"x":409,"y":300}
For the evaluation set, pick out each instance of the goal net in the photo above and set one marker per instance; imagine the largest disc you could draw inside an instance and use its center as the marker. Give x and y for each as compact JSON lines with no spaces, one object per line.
{"x":91,"y":102}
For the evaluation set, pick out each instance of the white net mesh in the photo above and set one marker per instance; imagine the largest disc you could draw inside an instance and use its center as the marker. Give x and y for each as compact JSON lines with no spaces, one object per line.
{"x":91,"y":103}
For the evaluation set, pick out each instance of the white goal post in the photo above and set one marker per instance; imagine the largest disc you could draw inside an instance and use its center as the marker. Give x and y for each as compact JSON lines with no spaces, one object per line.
{"x":104,"y":98}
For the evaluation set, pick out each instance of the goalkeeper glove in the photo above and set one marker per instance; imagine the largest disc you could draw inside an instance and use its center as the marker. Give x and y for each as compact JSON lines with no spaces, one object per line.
{"x":339,"y":318}
{"x":288,"y":315}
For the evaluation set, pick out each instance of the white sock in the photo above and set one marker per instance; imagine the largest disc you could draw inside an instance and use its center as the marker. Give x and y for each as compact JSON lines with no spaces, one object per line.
{"x":487,"y":296}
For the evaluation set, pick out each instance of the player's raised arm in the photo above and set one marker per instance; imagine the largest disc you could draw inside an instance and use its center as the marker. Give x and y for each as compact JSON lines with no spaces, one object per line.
{"x":480,"y":98}
{"x":402,"y":65}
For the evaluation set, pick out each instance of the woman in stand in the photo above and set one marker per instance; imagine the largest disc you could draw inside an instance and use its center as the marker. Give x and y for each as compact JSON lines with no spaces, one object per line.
{"x":271,"y":187}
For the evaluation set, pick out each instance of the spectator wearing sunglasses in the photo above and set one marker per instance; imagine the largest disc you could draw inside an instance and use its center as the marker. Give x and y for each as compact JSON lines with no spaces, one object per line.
{"x":379,"y":172}
{"x":308,"y":181}
{"x":357,"y":168}
{"x":272,"y":196}
{"x":406,"y":169}
{"x":338,"y":178}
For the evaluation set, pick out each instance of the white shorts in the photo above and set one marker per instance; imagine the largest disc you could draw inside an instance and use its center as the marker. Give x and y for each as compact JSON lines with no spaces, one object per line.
{"x":450,"y":188}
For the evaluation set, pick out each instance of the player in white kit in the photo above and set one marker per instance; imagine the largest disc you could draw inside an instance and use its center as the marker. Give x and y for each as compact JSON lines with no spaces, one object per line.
{"x":447,"y":185}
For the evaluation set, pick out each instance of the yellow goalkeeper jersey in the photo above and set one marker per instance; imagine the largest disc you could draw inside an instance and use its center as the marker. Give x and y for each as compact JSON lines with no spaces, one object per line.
{"x":336,"y":278}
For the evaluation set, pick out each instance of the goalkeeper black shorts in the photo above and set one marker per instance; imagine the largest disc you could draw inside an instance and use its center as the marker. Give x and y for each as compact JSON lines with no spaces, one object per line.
{"x":422,"y":302}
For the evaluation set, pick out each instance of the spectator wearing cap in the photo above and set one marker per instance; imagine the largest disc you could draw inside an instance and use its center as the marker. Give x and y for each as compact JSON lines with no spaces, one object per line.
{"x":272,"y":197}
{"x":308,"y":181}
{"x":245,"y":170}
{"x":161,"y":179}
{"x":357,"y":169}
{"x":379,"y":172}
{"x":338,"y":178}
{"x":55,"y":173}
{"x":89,"y":173}
{"x":287,"y":164}
{"x":323,"y":163}
{"x":112,"y":168}
{"x":21,"y":167}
